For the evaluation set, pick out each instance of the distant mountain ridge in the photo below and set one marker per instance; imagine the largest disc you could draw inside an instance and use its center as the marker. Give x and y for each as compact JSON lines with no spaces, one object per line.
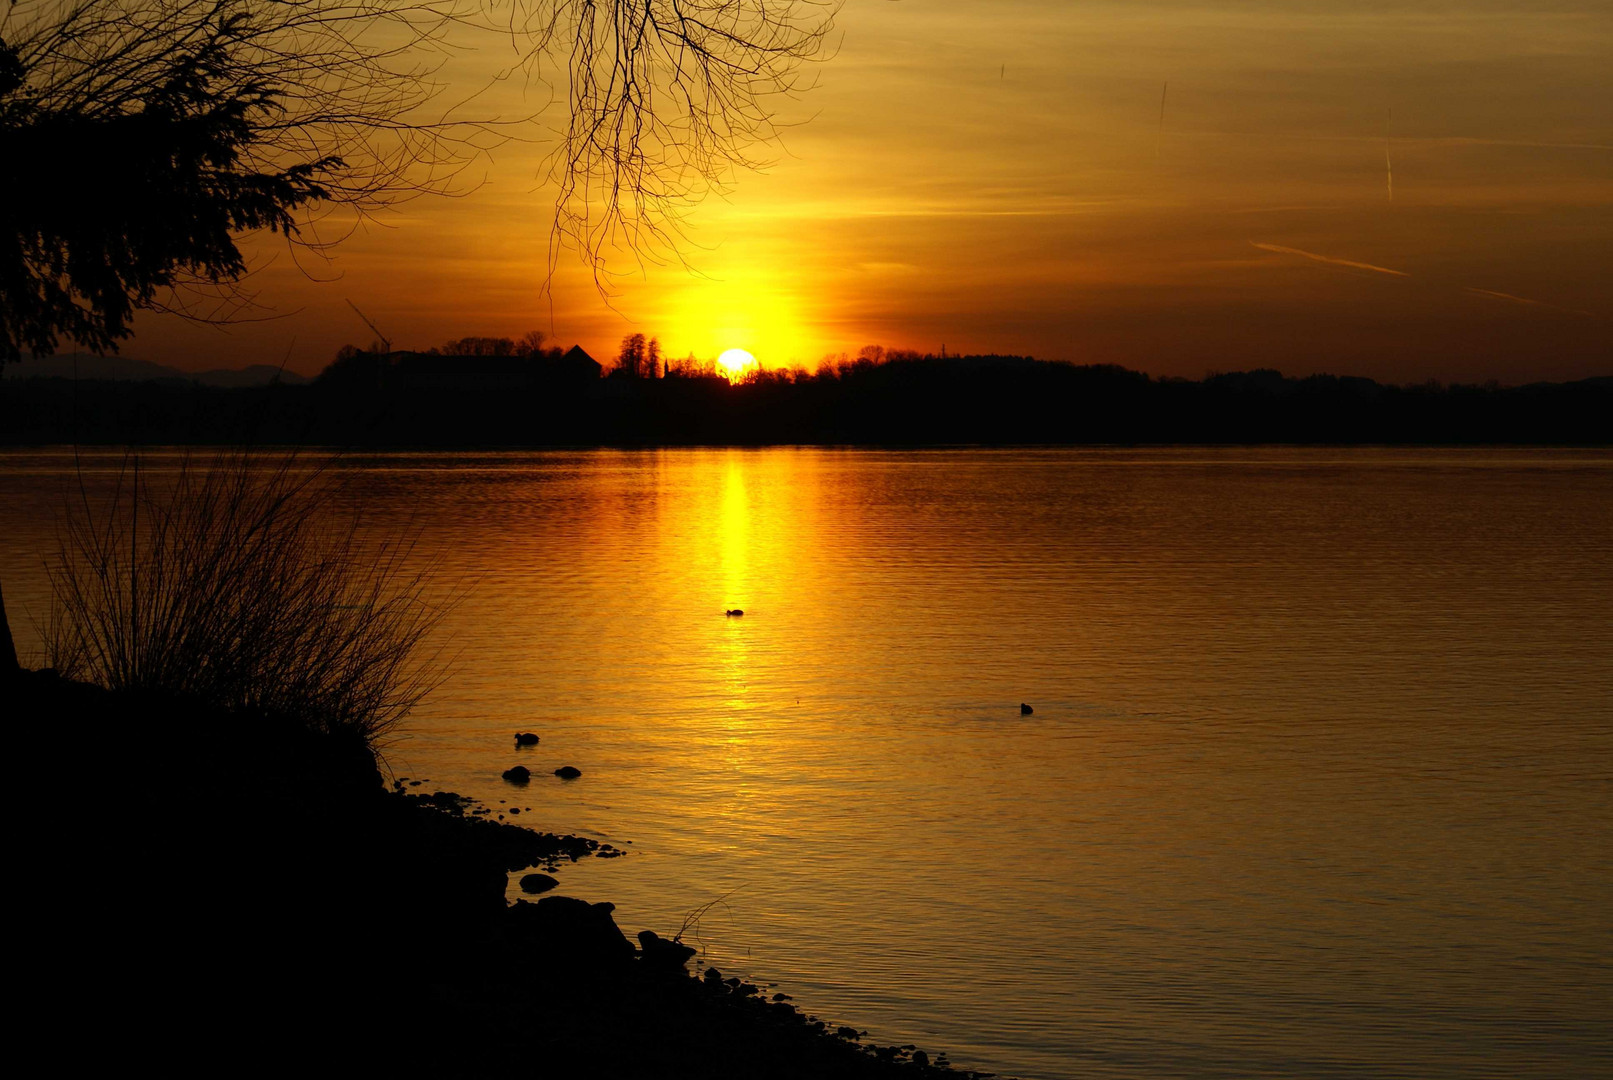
{"x":126,"y":369}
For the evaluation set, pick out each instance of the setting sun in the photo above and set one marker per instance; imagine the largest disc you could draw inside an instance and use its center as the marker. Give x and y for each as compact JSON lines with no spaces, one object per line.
{"x":735,"y":361}
{"x":1128,"y":482}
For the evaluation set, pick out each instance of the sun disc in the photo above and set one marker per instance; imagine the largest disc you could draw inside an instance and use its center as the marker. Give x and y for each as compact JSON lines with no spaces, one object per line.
{"x":735,"y":360}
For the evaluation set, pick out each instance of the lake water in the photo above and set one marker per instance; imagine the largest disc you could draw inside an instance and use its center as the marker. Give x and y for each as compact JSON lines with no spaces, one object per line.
{"x":1317,"y":782}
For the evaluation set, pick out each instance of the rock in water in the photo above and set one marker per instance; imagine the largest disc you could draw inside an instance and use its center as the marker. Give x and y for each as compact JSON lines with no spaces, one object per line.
{"x":568,"y":772}
{"x":732,"y":612}
{"x":525,"y":738}
{"x":536,"y":883}
{"x":660,"y":954}
{"x":518,"y":775}
{"x":1024,"y":709}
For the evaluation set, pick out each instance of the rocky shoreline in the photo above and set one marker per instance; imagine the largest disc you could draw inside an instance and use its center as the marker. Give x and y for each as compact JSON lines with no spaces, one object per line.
{"x":231,"y":895}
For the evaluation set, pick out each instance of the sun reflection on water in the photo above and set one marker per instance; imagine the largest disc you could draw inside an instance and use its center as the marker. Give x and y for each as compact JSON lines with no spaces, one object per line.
{"x":735,"y":572}
{"x":1254,"y":704}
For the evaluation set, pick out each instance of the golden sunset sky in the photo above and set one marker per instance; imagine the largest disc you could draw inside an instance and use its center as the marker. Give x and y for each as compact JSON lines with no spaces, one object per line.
{"x":994,"y":176}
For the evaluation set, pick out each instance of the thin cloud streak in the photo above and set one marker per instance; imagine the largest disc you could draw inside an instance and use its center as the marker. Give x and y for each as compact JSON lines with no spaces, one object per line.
{"x":819,"y":211}
{"x":1431,"y":142}
{"x":916,"y":201}
{"x":1531,"y":303}
{"x":1329,"y":259}
{"x":1492,"y":293}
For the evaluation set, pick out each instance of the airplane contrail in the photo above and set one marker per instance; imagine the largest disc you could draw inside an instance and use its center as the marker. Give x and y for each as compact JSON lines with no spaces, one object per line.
{"x":1507,"y":296}
{"x":1280,"y":250}
{"x":1526,"y":300}
{"x":1355,"y":265}
{"x":1388,"y":166}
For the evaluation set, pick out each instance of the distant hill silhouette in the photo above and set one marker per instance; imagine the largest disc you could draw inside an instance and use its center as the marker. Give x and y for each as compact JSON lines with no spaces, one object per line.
{"x":125,"y":369}
{"x":422,"y":400}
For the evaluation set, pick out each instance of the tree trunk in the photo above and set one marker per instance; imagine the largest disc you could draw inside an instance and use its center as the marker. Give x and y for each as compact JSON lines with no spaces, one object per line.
{"x":8,"y":649}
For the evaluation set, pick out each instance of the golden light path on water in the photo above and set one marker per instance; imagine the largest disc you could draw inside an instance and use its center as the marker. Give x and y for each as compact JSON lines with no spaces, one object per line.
{"x":1315,"y":786}
{"x":735,"y":536}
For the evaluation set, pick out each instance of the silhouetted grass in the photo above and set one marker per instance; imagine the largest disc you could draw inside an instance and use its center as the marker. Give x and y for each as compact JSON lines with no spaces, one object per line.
{"x":233,"y":582}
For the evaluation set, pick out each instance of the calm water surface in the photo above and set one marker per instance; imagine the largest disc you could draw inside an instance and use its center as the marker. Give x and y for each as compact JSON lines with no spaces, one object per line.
{"x":1317,"y":782}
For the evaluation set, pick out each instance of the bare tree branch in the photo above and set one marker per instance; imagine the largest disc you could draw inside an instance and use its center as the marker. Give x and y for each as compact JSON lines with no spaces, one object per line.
{"x":665,"y":100}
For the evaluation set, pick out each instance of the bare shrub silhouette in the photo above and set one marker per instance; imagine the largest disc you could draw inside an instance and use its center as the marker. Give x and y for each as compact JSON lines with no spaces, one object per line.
{"x":230,"y":583}
{"x":171,"y":128}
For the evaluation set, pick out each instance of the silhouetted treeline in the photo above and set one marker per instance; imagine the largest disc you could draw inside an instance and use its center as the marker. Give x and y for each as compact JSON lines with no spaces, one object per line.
{"x":897,"y":399}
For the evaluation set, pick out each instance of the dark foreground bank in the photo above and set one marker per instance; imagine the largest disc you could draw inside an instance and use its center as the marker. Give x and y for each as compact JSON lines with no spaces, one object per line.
{"x":228,"y":895}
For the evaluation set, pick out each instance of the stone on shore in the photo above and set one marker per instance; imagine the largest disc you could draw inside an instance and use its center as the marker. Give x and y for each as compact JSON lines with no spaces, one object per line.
{"x":572,"y":932}
{"x":661,"y":954}
{"x":536,"y":883}
{"x":490,"y":988}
